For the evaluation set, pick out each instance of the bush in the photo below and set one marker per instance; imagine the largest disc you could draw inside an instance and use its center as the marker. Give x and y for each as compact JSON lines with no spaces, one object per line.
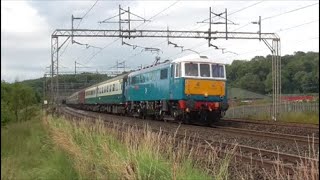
{"x":17,"y":102}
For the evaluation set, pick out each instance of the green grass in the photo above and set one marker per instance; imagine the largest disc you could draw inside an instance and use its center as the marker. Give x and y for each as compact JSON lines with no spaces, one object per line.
{"x":300,"y":117}
{"x":291,"y":117}
{"x":106,"y":153}
{"x":27,"y":152}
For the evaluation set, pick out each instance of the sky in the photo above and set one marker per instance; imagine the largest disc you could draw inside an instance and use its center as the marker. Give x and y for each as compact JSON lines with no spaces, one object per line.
{"x":26,"y":28}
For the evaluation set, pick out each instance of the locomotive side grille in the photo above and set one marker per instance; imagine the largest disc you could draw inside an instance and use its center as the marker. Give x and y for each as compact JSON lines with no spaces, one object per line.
{"x":204,"y":87}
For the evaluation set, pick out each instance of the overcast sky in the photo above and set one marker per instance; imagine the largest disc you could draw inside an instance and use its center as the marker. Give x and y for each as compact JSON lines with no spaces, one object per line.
{"x":26,"y":28}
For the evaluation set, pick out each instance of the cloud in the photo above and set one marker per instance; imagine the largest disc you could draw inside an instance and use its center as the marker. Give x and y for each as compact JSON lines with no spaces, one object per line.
{"x":20,"y":17}
{"x":24,"y":41}
{"x":27,"y":26}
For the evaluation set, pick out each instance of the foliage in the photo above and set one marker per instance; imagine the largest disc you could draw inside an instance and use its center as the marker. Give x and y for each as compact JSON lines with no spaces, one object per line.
{"x":27,"y":152}
{"x":17,"y":102}
{"x":300,"y":73}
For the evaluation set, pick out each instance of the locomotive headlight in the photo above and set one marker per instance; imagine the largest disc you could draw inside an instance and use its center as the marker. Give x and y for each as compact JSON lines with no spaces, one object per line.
{"x":205,"y":94}
{"x":187,"y":110}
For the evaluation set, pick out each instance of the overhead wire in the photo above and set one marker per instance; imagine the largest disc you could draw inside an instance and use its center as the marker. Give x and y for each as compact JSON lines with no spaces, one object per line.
{"x":244,"y":8}
{"x":101,"y":50}
{"x":237,"y":11}
{"x":258,"y":50}
{"x":159,"y":13}
{"x":296,"y":26}
{"x":78,"y":26}
{"x":230,"y":14}
{"x":273,"y":16}
{"x":283,"y":14}
{"x":165,"y":9}
{"x":103,"y":47}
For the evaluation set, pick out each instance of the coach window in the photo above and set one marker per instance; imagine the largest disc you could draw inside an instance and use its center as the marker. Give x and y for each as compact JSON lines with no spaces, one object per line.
{"x":134,"y":80}
{"x":191,"y":69}
{"x":204,"y":70}
{"x":172,"y":70}
{"x":164,"y":74}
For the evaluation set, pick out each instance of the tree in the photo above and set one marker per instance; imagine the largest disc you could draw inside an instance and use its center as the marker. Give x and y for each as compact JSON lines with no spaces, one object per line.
{"x":16,"y":100}
{"x":251,"y":82}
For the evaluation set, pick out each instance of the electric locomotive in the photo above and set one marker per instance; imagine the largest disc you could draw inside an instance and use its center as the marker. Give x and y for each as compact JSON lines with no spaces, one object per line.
{"x":191,"y":89}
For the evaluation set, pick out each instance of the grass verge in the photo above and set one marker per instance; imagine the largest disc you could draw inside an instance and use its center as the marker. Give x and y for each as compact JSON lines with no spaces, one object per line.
{"x":290,"y":117}
{"x":27,"y":152}
{"x":101,"y":152}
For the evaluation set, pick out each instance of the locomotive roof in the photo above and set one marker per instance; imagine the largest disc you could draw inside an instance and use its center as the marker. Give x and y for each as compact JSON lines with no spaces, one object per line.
{"x":152,"y":67}
{"x":188,"y":58}
{"x":196,"y":58}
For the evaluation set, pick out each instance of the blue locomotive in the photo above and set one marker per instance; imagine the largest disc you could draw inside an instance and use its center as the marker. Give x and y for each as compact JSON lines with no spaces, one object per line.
{"x":190,"y":89}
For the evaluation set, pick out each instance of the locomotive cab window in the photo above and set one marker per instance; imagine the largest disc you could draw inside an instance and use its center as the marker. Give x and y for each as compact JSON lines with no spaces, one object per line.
{"x":204,"y":70}
{"x":164,"y":74}
{"x":135,"y":80}
{"x":217,"y":71}
{"x":191,"y":69}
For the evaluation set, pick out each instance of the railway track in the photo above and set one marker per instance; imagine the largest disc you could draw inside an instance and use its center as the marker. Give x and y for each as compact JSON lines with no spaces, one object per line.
{"x":256,"y":156}
{"x":277,"y":136}
{"x":263,"y":122}
{"x":258,"y":134}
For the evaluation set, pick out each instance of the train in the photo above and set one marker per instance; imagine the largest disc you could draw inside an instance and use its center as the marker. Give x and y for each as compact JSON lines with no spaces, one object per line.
{"x":190,"y":89}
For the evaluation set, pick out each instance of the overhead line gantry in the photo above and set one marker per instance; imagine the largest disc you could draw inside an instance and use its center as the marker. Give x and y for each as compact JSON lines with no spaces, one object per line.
{"x":209,"y":35}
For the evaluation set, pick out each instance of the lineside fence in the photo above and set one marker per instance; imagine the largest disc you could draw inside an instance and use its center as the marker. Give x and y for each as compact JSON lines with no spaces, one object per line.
{"x":265,"y":111}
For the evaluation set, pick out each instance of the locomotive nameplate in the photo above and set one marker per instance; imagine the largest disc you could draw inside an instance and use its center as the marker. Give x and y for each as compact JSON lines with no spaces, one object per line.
{"x":205,"y":87}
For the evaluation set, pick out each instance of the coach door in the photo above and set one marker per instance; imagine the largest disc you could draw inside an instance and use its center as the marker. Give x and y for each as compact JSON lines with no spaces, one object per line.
{"x":171,"y":83}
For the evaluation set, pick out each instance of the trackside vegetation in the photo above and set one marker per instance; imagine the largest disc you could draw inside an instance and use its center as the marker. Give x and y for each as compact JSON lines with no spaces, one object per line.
{"x":18,"y":102}
{"x":27,"y":152}
{"x":290,"y":117}
{"x":100,"y":152}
